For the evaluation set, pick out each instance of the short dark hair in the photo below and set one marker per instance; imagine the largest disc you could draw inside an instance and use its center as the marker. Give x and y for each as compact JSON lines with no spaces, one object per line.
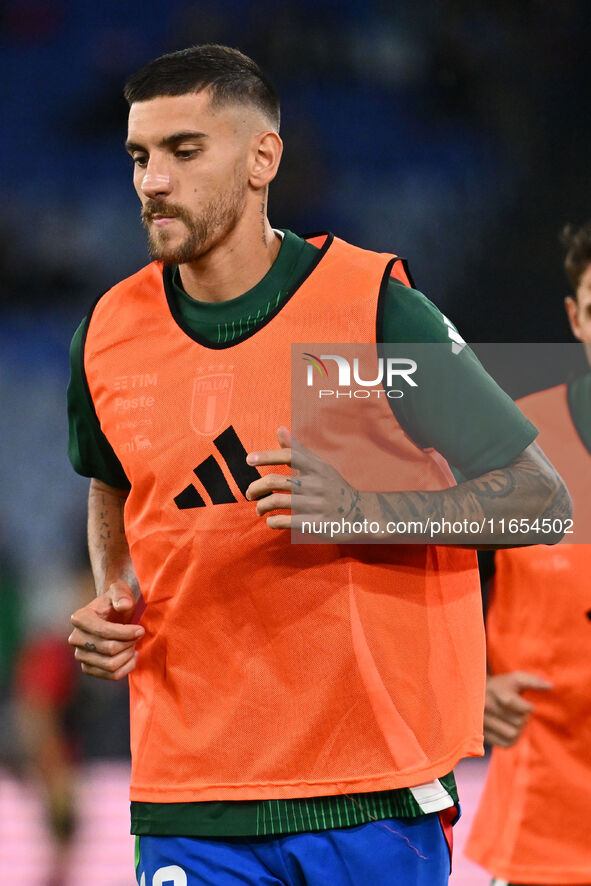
{"x":229,"y":75}
{"x":578,"y":252}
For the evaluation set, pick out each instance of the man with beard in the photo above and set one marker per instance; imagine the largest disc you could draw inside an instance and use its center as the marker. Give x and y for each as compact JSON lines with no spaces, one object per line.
{"x":279,"y":734}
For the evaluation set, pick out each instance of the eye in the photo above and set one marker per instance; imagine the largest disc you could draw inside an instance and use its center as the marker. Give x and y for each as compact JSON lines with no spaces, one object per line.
{"x":140,"y":160}
{"x":186,"y":153}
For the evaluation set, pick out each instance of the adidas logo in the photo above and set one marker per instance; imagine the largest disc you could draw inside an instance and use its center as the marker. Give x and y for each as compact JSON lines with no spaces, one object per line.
{"x":212,"y":477}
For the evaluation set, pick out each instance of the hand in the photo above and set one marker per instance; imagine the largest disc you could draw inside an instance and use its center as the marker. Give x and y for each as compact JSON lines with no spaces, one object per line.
{"x":318,"y":493}
{"x":505,"y":711}
{"x":103,"y":637}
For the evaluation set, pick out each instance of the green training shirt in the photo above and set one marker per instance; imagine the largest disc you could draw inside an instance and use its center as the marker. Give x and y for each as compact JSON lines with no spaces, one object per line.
{"x":498,"y":433}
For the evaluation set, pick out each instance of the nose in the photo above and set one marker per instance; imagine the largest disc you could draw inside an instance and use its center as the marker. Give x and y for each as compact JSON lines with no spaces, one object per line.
{"x":155,"y":183}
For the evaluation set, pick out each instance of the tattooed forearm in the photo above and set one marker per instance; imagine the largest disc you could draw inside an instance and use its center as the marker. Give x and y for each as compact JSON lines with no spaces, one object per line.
{"x":561,"y":506}
{"x":496,"y":484}
{"x":526,"y":489}
{"x":354,"y":496}
{"x":107,"y":544}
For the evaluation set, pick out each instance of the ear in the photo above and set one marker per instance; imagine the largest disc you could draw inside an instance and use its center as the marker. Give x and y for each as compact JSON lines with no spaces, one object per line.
{"x":267,"y":148}
{"x":572,"y":310}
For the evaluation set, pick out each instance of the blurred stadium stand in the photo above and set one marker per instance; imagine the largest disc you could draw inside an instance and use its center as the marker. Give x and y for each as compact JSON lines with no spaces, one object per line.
{"x":452,"y":132}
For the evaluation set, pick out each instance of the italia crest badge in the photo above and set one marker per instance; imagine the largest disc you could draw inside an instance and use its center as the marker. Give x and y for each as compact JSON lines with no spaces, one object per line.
{"x":210,"y":403}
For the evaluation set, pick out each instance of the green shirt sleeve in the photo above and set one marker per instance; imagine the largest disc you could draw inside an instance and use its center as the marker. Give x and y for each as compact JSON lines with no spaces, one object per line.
{"x":89,"y":450}
{"x":457,"y":408}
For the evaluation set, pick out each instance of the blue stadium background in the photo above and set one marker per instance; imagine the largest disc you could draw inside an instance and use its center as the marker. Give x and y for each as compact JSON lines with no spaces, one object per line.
{"x":455,"y":132}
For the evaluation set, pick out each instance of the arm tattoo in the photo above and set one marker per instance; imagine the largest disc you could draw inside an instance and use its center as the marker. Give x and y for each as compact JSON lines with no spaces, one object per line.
{"x":107,"y":543}
{"x":528,"y":488}
{"x":355,"y":496}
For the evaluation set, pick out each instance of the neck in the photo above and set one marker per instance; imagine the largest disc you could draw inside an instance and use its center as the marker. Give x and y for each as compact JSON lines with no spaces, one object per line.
{"x":234,"y":265}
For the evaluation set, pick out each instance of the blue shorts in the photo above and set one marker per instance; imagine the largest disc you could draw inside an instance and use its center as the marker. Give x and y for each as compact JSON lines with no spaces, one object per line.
{"x":415,"y":852}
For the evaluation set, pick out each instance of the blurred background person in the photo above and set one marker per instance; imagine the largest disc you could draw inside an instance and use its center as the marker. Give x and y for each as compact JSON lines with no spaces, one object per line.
{"x":532,"y":825}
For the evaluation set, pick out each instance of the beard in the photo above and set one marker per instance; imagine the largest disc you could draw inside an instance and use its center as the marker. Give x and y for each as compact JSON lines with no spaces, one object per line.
{"x":204,"y":229}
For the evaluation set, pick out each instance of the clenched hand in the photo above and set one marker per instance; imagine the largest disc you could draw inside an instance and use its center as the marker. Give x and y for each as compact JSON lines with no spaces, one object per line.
{"x":103,"y":637}
{"x":505,"y":711}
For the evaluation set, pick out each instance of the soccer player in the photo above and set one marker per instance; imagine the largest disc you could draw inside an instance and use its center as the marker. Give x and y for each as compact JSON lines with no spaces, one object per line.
{"x":297,"y":710}
{"x":532,"y":826}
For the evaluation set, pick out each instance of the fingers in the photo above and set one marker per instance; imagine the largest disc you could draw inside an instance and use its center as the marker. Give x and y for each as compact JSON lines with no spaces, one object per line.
{"x":110,"y":663}
{"x":273,"y":492}
{"x":498,"y":732}
{"x":265,"y":492}
{"x":92,"y":625}
{"x":103,"y":640}
{"x":104,"y":673}
{"x":100,"y":656}
{"x":271,"y":483}
{"x":270,"y":457}
{"x":498,"y":708}
{"x":505,"y":702}
{"x":91,"y":643}
{"x":503,"y":691}
{"x":121,"y":597}
{"x":109,"y":659}
{"x":506,"y":711}
{"x":513,"y":704}
{"x":290,"y":453}
{"x":524,"y":680}
{"x":275,"y":502}
{"x":280,"y":521}
{"x":284,"y":437}
{"x":124,"y":602}
{"x":317,"y":489}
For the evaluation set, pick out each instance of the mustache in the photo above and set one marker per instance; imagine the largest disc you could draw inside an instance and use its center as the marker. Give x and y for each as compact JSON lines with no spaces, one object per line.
{"x":161,"y":207}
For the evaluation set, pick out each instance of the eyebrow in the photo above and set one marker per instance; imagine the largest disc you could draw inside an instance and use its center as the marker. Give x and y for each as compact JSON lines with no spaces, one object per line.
{"x":168,"y":141}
